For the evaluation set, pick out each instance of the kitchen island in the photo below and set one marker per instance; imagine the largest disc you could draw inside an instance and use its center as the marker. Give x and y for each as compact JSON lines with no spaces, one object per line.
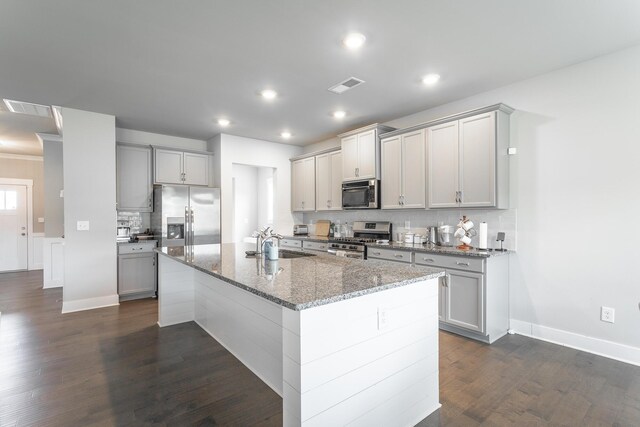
{"x":341,"y":340}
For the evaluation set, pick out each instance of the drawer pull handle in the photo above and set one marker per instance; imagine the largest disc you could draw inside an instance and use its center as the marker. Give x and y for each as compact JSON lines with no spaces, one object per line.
{"x":399,"y":256}
{"x":375,"y":253}
{"x":462,"y":263}
{"x":429,"y":259}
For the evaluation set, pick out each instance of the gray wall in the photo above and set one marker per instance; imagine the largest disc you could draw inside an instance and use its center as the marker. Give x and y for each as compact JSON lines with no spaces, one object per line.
{"x":53,"y":183}
{"x":89,"y":195}
{"x":28,"y":169}
{"x":575,"y":174}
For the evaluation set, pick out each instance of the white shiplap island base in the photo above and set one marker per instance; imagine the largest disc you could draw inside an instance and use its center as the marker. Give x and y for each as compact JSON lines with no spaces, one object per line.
{"x":344,"y":342}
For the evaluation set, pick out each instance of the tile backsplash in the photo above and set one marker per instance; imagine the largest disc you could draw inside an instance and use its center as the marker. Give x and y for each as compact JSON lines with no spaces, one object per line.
{"x":497,"y":220}
{"x":138,"y":221}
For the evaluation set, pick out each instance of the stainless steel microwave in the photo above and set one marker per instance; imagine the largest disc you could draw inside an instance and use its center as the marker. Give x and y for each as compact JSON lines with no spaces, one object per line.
{"x":361,"y":194}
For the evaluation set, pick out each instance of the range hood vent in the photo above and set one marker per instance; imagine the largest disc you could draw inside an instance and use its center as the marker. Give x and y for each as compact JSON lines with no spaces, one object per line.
{"x":344,"y":86}
{"x":28,"y":108}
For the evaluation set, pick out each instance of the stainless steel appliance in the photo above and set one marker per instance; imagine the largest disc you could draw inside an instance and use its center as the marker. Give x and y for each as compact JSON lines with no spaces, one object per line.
{"x":300,"y":230}
{"x":361,"y":194}
{"x":446,"y":235}
{"x":363,"y":232}
{"x":123,"y":231}
{"x":185,"y":216}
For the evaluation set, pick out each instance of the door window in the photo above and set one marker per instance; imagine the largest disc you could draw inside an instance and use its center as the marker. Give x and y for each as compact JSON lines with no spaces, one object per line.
{"x":8,"y":200}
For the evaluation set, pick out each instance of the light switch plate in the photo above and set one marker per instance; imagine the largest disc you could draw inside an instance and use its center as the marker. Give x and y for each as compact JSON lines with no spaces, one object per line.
{"x":512,"y":150}
{"x":82,"y":226}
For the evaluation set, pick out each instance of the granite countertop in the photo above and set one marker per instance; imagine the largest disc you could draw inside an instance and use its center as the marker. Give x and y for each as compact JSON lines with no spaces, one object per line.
{"x":434,"y":249}
{"x":129,"y":242}
{"x":426,"y":248}
{"x":298,"y":283}
{"x":308,"y":238}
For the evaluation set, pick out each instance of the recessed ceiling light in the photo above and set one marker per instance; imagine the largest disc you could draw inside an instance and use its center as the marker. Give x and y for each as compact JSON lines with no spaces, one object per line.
{"x":223,"y":122}
{"x":286,"y":135}
{"x":431,"y":79}
{"x":354,"y":41}
{"x":269,"y":94}
{"x":339,"y":114}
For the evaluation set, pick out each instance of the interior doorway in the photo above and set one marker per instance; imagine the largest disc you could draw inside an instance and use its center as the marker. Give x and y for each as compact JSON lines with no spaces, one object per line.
{"x":253,"y":200}
{"x":14,"y":246}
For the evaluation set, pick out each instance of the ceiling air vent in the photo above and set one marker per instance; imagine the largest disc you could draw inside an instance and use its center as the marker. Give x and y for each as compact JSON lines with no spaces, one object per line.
{"x":29,"y":108}
{"x":344,"y":86}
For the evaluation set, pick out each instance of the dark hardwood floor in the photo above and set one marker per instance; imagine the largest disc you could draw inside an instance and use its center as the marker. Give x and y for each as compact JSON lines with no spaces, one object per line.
{"x":114,"y":366}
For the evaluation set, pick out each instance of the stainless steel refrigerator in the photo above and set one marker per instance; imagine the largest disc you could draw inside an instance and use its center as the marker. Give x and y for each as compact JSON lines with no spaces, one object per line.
{"x":184,"y":216}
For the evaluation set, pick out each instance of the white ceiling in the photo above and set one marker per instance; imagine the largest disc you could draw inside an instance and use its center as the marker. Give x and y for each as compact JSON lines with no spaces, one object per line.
{"x":174,"y":67}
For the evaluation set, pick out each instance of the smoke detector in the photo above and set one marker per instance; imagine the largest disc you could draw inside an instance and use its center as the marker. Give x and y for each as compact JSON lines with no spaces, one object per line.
{"x":344,"y":86}
{"x":28,"y":108}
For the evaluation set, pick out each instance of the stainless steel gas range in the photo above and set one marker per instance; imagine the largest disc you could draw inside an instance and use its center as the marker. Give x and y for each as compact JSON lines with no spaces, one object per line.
{"x":363,"y":232}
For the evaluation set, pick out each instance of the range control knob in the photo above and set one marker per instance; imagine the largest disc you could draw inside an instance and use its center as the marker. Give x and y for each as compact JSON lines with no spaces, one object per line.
{"x":353,"y":247}
{"x":344,"y":246}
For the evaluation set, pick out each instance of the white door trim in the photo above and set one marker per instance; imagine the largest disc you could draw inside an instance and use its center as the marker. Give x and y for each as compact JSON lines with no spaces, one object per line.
{"x":29,"y":184}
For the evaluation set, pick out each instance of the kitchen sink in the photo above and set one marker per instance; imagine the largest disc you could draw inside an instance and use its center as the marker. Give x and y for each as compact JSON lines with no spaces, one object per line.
{"x":293,"y":254}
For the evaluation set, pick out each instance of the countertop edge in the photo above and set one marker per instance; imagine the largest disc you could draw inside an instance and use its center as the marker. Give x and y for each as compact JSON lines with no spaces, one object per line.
{"x":300,"y":307}
{"x":443,"y":250}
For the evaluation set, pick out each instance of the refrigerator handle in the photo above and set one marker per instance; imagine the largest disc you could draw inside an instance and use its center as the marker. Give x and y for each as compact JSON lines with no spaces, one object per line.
{"x":186,"y":226}
{"x":193,"y":233}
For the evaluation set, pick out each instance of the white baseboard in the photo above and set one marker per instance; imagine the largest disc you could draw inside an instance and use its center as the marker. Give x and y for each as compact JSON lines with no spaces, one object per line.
{"x":612,"y":350}
{"x":90,"y":303}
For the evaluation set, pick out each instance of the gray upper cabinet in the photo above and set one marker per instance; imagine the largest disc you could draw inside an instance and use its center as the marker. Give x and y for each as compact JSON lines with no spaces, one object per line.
{"x":467,"y":161}
{"x":442,"y":158}
{"x":133,"y":179}
{"x":403,"y":171}
{"x":303,"y":185}
{"x":361,"y":153}
{"x":329,"y":181}
{"x":177,"y":167}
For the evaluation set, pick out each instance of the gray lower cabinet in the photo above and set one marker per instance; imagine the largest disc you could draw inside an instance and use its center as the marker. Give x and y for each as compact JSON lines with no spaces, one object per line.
{"x":464,"y":300}
{"x":315,"y":246}
{"x":390,"y":255}
{"x":136,"y":270}
{"x":473,"y":295}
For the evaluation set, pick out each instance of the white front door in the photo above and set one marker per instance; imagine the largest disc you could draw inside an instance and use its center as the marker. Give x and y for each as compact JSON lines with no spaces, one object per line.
{"x":13,"y":227}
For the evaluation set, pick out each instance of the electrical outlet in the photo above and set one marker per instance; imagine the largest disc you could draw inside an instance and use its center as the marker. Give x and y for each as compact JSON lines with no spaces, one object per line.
{"x":383,"y":318}
{"x":82,"y":226}
{"x":607,"y":314}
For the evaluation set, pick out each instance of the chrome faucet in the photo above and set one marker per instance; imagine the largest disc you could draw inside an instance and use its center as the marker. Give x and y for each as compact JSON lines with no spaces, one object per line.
{"x":262,"y":235}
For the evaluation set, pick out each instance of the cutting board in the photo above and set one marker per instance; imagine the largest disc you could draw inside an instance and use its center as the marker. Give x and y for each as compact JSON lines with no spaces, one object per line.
{"x":322,"y":227}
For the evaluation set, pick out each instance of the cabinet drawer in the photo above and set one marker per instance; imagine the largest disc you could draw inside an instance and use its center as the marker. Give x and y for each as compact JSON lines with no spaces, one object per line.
{"x":291,"y":243}
{"x":316,"y":246}
{"x":136,"y":248}
{"x":446,"y":261}
{"x":389,"y":254}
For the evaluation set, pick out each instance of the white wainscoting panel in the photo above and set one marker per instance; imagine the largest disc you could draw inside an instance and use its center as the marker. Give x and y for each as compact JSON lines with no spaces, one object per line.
{"x":249,"y":326}
{"x":36,"y":252}
{"x":343,"y":365}
{"x":175,"y":292}
{"x":53,"y":262}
